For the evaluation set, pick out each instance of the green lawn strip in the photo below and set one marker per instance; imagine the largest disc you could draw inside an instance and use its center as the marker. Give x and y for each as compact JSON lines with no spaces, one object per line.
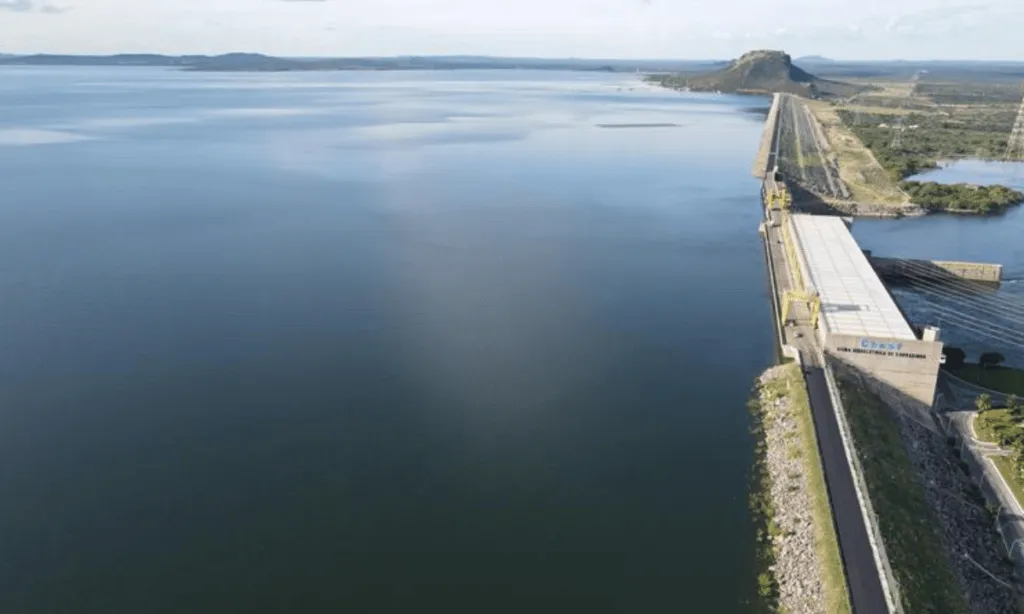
{"x":1005,"y":466}
{"x":837,"y":597}
{"x":999,"y":426}
{"x":1001,"y":379}
{"x":926,"y":581}
{"x":987,"y":423}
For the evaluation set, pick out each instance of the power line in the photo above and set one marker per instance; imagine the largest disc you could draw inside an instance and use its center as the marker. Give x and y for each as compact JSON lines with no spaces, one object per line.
{"x":979,"y":322}
{"x":928,"y":270}
{"x":1015,"y":144}
{"x":1012,"y":310}
{"x":995,"y":312}
{"x":1012,"y":332}
{"x":965,"y":290}
{"x":898,"y":133}
{"x":960,"y":321}
{"x":974,"y":308}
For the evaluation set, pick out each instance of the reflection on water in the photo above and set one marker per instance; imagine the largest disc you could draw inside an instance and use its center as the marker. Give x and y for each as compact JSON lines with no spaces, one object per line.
{"x":365,"y":341}
{"x":983,"y":172}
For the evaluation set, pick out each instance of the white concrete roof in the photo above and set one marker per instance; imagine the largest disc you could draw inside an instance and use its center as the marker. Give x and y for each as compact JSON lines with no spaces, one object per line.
{"x":853,"y":299}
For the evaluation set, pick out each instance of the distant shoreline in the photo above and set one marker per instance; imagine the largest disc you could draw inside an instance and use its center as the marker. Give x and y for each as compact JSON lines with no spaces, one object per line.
{"x":256,"y":62}
{"x":247,"y":62}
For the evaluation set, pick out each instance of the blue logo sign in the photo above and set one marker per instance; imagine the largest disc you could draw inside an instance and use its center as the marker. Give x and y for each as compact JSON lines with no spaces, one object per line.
{"x":888,"y":346}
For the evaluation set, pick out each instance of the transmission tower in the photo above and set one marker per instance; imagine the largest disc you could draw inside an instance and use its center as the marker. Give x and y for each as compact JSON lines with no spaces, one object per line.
{"x":898,"y":128}
{"x":1015,"y":144}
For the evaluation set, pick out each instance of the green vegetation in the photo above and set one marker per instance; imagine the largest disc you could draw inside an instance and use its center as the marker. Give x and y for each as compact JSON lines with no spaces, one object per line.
{"x":1011,"y":473}
{"x":806,"y":447}
{"x":930,"y":136}
{"x":762,"y":510}
{"x":1004,"y":427}
{"x":986,"y":93}
{"x":1001,"y":426}
{"x":961,"y":196}
{"x":1001,"y":379}
{"x":926,"y":581}
{"x":937,"y":121}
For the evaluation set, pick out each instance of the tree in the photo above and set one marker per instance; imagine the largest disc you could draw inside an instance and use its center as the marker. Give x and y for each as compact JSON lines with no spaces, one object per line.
{"x":983,"y":403}
{"x":955,"y":358}
{"x":990,"y":359}
{"x":1013,"y":406}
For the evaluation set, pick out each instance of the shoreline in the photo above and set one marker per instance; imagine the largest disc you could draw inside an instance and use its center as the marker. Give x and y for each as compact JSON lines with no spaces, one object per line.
{"x":799,"y":569}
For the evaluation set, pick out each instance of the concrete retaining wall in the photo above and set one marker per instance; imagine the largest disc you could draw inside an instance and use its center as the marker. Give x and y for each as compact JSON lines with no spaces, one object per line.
{"x":763,"y":157}
{"x":773,"y":288}
{"x":1009,"y":515}
{"x":937,"y":270}
{"x":909,"y":367}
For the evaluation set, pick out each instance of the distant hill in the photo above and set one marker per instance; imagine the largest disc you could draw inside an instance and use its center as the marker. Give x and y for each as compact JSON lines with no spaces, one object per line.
{"x":765,"y":72}
{"x":813,"y":59}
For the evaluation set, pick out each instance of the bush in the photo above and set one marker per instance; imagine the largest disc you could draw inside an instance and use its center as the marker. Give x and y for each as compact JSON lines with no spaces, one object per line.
{"x":991,"y":359}
{"x":955,"y":357}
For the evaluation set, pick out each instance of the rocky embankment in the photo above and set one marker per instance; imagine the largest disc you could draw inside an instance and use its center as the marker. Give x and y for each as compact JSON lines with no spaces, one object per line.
{"x":966,"y":527}
{"x":797,"y":567}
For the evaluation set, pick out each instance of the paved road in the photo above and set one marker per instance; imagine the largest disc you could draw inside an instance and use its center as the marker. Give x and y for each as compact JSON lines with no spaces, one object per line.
{"x":866,"y":593}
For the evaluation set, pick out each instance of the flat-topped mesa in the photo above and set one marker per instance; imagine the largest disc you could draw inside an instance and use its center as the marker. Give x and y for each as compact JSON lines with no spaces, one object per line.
{"x":769,"y":64}
{"x":766,"y":71}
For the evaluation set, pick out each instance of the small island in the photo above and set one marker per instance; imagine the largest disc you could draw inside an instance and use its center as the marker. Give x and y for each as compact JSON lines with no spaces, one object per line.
{"x":962,"y":197}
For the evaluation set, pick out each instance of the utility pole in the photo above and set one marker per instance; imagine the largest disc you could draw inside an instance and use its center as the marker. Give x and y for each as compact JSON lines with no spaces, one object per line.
{"x":898,"y":132}
{"x":1015,"y":144}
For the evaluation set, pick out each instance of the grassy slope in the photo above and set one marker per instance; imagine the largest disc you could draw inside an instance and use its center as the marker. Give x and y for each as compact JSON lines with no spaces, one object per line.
{"x":987,"y":426}
{"x":985,"y":423}
{"x":867,"y":180}
{"x":927,"y":583}
{"x":1005,"y":467}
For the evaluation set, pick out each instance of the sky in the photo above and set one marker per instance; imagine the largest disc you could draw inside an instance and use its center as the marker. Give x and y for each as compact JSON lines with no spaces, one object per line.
{"x":683,"y":29}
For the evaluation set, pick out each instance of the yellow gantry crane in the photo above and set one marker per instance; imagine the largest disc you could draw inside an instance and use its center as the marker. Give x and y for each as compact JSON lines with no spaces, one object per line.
{"x":777,"y":198}
{"x":810,"y":299}
{"x":777,"y":195}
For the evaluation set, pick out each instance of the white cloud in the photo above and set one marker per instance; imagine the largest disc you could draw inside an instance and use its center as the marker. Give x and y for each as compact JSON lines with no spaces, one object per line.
{"x":30,"y":6}
{"x":584,"y":28}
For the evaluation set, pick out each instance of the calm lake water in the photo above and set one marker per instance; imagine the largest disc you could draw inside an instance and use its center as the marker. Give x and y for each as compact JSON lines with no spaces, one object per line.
{"x":997,"y":239}
{"x":376,"y":342}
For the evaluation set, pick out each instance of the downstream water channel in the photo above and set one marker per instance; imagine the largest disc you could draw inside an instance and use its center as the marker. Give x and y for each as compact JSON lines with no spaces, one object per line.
{"x":998,"y":239}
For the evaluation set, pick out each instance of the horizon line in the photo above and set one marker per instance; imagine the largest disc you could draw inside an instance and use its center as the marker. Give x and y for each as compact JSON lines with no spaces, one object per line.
{"x":812,"y":57}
